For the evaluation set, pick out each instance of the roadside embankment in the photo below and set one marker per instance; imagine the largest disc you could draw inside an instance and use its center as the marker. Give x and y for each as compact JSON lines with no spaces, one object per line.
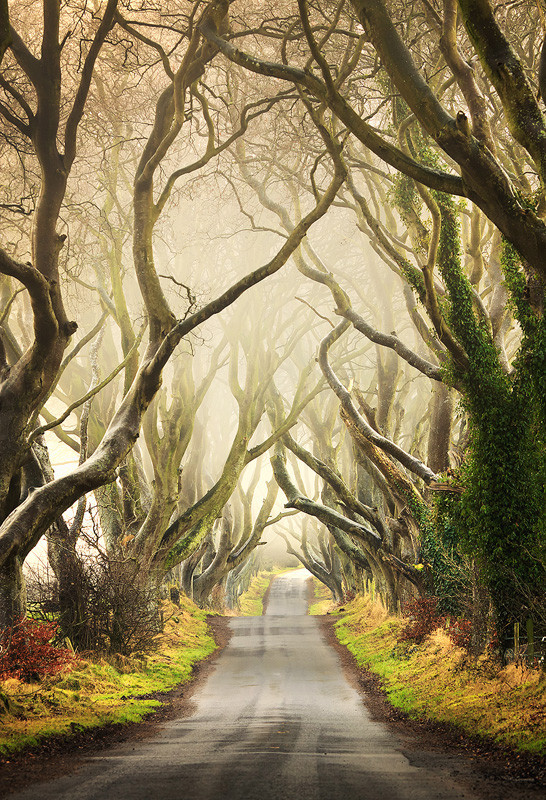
{"x":439,"y":681}
{"x":95,"y":692}
{"x":320,"y":598}
{"x":253,"y":602}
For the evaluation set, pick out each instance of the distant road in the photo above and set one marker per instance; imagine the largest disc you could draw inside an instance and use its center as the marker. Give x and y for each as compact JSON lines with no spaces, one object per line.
{"x":276,"y":720}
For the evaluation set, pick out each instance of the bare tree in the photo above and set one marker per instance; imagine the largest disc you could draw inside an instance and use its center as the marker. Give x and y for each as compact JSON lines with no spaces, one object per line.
{"x":27,"y":382}
{"x":450,"y":152}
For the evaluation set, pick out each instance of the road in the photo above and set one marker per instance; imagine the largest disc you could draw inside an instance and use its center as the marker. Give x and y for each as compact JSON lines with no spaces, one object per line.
{"x":277,"y":719}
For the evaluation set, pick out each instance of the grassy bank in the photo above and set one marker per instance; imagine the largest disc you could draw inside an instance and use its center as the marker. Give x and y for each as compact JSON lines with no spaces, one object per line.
{"x":95,"y":693}
{"x":321,"y":602}
{"x":251,"y":602}
{"x":439,"y":681}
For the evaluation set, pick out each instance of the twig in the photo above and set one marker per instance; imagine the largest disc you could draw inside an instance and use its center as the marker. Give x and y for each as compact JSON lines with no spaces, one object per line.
{"x":53,"y":424}
{"x":315,"y":310}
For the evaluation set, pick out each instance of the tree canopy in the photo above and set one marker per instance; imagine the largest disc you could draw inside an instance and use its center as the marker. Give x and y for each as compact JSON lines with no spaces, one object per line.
{"x":311,"y":238}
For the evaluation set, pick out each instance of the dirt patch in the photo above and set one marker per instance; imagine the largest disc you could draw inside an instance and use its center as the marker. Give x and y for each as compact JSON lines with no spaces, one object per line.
{"x":491,"y":771}
{"x":61,"y":754}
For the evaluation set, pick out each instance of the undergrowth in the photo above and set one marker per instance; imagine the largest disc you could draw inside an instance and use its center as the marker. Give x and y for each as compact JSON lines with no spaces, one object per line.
{"x":27,"y":651}
{"x":438,"y":680}
{"x":97,"y":692}
{"x":422,"y":620}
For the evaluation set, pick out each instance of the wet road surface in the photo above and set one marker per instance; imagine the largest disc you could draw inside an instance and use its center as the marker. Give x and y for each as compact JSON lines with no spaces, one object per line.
{"x":277,"y":719}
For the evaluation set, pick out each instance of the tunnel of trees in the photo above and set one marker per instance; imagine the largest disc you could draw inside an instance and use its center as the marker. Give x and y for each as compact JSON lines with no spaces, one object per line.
{"x":273,"y":275}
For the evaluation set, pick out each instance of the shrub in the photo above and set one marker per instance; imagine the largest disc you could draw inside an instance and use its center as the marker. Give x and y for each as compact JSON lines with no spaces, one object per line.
{"x":100,"y":600}
{"x":460,"y":633}
{"x":423,"y":619}
{"x":26,"y":651}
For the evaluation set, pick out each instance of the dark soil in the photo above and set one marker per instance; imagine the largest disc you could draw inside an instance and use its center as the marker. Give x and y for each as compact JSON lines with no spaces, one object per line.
{"x":60,"y":754}
{"x":490,"y":770}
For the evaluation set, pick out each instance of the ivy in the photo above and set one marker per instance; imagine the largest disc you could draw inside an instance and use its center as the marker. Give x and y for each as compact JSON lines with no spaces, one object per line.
{"x":500,"y":519}
{"x":447,"y":566}
{"x":502,"y":511}
{"x":407,"y":201}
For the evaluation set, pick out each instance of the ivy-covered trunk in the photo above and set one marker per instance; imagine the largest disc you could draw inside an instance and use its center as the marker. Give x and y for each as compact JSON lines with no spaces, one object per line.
{"x":503,"y":509}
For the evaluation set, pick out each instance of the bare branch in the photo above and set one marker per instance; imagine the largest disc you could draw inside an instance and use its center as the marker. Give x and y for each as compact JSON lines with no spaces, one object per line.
{"x":78,"y":106}
{"x":436,"y":179}
{"x":326,"y":515}
{"x":314,"y":310}
{"x":409,"y":461}
{"x":91,"y":393}
{"x":8,"y":305}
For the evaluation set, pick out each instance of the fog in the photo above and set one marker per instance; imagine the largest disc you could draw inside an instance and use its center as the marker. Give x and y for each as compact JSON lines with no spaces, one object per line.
{"x":252,"y":333}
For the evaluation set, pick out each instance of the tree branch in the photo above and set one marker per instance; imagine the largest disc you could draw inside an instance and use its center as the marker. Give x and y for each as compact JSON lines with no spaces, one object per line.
{"x":45,"y":322}
{"x":436,"y":179}
{"x":91,"y":393}
{"x":407,"y":460}
{"x":394,"y":343}
{"x":82,"y":92}
{"x":326,"y":515}
{"x":507,"y":75}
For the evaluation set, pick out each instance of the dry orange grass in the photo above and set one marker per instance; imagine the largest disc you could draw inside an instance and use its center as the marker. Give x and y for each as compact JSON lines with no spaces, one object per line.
{"x":440,"y":681}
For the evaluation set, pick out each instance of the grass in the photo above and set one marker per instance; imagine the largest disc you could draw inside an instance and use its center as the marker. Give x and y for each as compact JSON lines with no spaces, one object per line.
{"x":251,"y":601}
{"x":323,"y":599}
{"x":96,"y":693}
{"x":439,"y":681}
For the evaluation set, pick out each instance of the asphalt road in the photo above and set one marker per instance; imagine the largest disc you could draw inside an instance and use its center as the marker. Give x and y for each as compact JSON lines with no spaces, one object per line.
{"x":277,"y":719}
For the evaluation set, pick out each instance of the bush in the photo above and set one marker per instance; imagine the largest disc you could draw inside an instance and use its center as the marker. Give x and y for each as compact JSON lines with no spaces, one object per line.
{"x":99,"y":600}
{"x":460,"y":633}
{"x":26,"y":651}
{"x":423,"y":619}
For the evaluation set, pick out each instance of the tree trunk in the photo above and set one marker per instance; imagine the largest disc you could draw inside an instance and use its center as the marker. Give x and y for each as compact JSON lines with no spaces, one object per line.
{"x":13,"y":598}
{"x":72,"y":581}
{"x":440,"y":428}
{"x":480,"y":612}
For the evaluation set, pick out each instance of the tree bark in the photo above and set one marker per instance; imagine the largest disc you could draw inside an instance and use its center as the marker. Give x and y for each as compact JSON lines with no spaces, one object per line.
{"x":440,"y":428}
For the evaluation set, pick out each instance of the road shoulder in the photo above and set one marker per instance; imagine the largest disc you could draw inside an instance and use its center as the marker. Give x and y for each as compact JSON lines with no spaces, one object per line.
{"x":489,"y":770}
{"x":60,"y":755}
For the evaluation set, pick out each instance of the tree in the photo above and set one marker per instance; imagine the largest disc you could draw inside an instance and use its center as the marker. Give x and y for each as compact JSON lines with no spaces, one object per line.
{"x":501,"y":514}
{"x":321,"y":561}
{"x":27,"y":382}
{"x":438,"y":176}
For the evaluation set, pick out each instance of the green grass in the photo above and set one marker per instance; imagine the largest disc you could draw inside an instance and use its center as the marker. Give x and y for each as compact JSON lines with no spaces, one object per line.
{"x":323,"y":599}
{"x":95,"y":693}
{"x":251,"y":601}
{"x":438,"y":681}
